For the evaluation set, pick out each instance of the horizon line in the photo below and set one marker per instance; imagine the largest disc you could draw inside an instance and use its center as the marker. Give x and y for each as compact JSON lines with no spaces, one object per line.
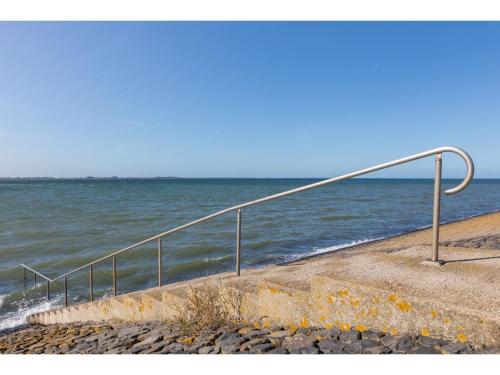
{"x":227,"y":178}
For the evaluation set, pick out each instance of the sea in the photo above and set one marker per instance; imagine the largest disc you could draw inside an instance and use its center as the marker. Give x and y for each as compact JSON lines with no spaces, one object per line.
{"x":56,"y":225}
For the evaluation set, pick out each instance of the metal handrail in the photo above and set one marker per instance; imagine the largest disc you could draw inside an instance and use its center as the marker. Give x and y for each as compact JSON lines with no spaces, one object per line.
{"x":436,"y":213}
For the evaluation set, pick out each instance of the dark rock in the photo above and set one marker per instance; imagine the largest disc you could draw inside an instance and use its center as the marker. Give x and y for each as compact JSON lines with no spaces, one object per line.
{"x":330,"y":346}
{"x":354,"y":348}
{"x":279,"y":334}
{"x":256,"y":341}
{"x":206,"y":350}
{"x":130,"y":331}
{"x":224,"y":334}
{"x":229,"y":349}
{"x":115,"y":351}
{"x":230,"y":341}
{"x":149,"y":340}
{"x":277,"y":337}
{"x":91,"y":339}
{"x":405,"y":343}
{"x":305,"y":350}
{"x":154,"y":348}
{"x":208,"y":338}
{"x":350,"y":336}
{"x":277,"y":351}
{"x":371,"y":335}
{"x":138,"y":348}
{"x":228,"y":336}
{"x":456,"y":348}
{"x":304,"y":331}
{"x":106,"y":336}
{"x":380,"y":349}
{"x":298,"y":341}
{"x":261,"y":348}
{"x":390,"y":341}
{"x":256,"y":333}
{"x":431,"y":342}
{"x":423,"y":350}
{"x":333,"y":333}
{"x":368,"y":343}
{"x":173,"y":347}
{"x":191,"y":350}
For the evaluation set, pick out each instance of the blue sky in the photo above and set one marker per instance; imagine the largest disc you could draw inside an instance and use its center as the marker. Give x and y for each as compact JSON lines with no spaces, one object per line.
{"x":246,"y":99}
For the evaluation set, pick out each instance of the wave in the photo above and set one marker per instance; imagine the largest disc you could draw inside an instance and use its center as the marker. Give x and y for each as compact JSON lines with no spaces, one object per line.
{"x":18,"y":317}
{"x":321,"y":250}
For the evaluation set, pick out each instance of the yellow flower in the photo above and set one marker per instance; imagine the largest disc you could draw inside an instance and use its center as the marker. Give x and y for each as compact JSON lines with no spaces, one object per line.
{"x":392,"y":297}
{"x":462,"y":338}
{"x":355,"y":302}
{"x":404,"y":306}
{"x":343,"y":293}
{"x":361,"y":328}
{"x":345,"y":327}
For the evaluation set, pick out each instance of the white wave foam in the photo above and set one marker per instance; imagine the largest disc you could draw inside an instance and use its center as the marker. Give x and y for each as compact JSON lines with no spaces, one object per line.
{"x":342,"y":246}
{"x":320,"y":250}
{"x":18,"y":317}
{"x":216,"y":259}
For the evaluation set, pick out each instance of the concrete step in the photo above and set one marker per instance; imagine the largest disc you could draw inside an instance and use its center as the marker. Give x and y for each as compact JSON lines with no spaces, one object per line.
{"x":349,"y":304}
{"x":284,"y":302}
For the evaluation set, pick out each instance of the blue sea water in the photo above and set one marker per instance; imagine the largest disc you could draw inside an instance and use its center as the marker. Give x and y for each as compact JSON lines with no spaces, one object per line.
{"x":56,"y":225}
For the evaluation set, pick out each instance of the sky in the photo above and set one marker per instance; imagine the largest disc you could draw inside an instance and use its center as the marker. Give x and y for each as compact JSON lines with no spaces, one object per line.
{"x":279,"y":99}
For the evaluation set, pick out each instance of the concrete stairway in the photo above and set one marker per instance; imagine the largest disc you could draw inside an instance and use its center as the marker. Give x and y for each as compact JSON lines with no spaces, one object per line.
{"x":386,"y":285}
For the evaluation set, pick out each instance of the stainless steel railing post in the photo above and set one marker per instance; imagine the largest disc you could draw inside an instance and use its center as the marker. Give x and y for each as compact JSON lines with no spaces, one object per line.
{"x":114,"y":276}
{"x":48,"y":290}
{"x":66,"y":291}
{"x":437,"y":208}
{"x":238,"y":241}
{"x":159,"y":261}
{"x":91,"y":283}
{"x":34,"y":278}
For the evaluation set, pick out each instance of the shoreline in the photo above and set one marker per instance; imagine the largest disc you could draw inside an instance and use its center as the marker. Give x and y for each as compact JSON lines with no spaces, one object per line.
{"x":463,"y":326}
{"x":377,"y":240}
{"x":314,"y":254}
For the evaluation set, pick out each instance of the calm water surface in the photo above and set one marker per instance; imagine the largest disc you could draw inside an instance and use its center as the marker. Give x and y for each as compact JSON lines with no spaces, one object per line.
{"x":58,"y":225}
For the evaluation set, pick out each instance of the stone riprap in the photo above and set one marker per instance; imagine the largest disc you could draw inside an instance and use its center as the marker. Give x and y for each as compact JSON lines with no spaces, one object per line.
{"x":160,"y":338}
{"x":487,"y":242}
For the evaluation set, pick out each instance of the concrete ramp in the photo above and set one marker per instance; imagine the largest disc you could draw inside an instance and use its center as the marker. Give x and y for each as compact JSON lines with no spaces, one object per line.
{"x":386,"y":285}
